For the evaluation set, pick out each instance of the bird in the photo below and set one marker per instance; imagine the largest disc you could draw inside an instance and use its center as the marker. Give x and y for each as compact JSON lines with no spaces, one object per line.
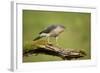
{"x":51,"y":31}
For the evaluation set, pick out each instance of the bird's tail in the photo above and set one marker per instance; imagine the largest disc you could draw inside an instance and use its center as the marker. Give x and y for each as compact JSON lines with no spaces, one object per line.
{"x":37,"y":38}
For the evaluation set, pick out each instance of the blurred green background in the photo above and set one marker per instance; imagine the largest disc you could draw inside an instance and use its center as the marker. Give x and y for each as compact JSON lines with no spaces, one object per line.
{"x":76,"y":35}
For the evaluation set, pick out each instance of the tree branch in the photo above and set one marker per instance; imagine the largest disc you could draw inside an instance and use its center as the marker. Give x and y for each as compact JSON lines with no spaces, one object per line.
{"x":50,"y":49}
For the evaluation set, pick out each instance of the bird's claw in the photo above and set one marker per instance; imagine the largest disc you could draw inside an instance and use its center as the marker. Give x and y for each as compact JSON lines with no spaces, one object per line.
{"x":49,"y":43}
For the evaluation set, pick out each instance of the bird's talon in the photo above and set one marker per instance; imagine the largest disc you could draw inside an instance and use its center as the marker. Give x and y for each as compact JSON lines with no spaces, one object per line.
{"x":49,"y":43}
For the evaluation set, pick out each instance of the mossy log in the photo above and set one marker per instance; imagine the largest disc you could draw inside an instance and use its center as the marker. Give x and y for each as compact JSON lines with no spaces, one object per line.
{"x":42,"y":47}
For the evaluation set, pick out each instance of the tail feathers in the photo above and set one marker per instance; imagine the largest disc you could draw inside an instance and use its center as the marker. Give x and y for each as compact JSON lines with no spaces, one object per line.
{"x":37,"y":38}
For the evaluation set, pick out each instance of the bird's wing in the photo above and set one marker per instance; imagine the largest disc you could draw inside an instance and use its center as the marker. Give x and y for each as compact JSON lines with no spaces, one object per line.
{"x":48,"y":29}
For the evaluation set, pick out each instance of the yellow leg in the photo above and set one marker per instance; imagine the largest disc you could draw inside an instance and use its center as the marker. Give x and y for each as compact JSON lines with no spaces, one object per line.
{"x":56,"y":40}
{"x":48,"y":39}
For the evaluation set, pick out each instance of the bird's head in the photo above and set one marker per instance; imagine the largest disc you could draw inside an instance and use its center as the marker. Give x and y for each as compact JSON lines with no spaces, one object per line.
{"x":63,"y":27}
